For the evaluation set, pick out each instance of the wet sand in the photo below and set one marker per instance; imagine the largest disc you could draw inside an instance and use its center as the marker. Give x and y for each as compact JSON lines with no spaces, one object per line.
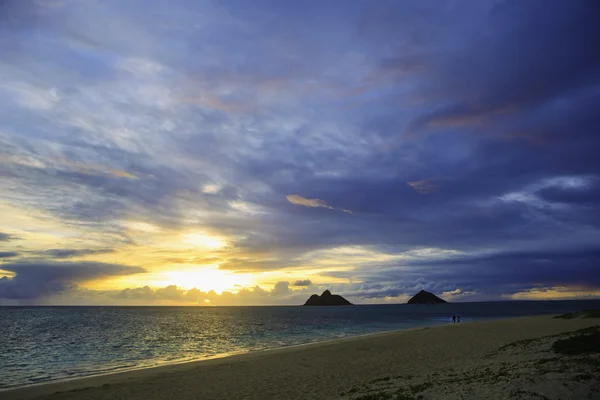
{"x":424,"y":362}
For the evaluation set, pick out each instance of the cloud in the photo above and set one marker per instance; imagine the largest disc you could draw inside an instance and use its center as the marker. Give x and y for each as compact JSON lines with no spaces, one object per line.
{"x":314,"y":203}
{"x":585,"y":195}
{"x":34,"y":98}
{"x":95,"y":168}
{"x":303,"y":282}
{"x":40,"y":279}
{"x":424,"y":186}
{"x":8,"y":254}
{"x":281,"y":289}
{"x":483,"y":83}
{"x":555,"y":293}
{"x":68,"y":166}
{"x":480,"y":276}
{"x":51,"y":3}
{"x":299,"y":200}
{"x":280,"y":294}
{"x":5,"y":237}
{"x":496,"y":100}
{"x":70,"y":253}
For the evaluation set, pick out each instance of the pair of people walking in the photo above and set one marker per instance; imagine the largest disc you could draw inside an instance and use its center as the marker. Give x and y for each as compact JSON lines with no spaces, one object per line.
{"x":456,"y":319}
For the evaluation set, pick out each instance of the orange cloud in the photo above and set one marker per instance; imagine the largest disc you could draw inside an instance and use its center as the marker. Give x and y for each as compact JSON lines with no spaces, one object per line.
{"x":425,"y":186}
{"x":90,"y":169}
{"x":97,"y":168}
{"x":303,"y":201}
{"x":555,"y":293}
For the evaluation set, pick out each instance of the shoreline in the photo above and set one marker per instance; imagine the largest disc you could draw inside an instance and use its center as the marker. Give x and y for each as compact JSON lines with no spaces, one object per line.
{"x":233,"y":356}
{"x":228,"y":355}
{"x":368,"y":353}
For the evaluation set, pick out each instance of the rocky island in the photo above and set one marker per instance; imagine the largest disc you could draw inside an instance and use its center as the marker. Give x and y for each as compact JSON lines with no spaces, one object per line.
{"x":424,"y":297}
{"x":327,"y":299}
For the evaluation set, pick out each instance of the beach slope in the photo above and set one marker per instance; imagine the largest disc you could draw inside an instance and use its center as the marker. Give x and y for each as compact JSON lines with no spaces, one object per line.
{"x":512,"y":358}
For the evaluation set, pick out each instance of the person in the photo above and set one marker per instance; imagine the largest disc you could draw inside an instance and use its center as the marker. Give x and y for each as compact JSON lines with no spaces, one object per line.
{"x":453,"y":319}
{"x":458,"y":319}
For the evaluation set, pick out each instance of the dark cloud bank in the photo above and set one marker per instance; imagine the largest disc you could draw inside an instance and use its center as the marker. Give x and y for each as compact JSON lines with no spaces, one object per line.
{"x":40,"y":279}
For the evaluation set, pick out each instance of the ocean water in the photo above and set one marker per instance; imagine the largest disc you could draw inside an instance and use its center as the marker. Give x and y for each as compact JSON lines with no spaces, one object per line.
{"x":40,"y":344}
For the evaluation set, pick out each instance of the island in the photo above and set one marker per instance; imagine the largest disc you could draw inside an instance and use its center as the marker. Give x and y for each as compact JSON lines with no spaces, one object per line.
{"x":424,"y":297}
{"x":327,"y":299}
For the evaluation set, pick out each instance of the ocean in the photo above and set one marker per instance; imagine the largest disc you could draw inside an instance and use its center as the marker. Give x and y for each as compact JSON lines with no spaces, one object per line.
{"x":41,"y":344}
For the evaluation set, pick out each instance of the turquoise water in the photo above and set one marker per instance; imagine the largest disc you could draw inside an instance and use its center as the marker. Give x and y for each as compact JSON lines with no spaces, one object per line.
{"x":40,"y":344}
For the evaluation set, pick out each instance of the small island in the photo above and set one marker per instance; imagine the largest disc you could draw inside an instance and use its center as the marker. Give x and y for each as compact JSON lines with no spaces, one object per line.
{"x":424,"y":297}
{"x":327,"y":299}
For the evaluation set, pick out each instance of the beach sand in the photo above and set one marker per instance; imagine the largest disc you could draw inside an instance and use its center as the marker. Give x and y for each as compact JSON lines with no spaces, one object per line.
{"x":462,"y":361}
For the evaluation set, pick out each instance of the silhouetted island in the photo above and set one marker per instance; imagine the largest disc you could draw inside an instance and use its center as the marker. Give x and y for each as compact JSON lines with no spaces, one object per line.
{"x":424,"y":297}
{"x":327,"y":299}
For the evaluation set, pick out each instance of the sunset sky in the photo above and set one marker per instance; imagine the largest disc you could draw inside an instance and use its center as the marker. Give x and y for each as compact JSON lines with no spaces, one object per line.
{"x":256,"y":152}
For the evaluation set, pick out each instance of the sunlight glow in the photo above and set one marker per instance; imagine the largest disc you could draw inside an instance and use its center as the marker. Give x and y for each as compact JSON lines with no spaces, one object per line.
{"x":554,"y":293}
{"x":206,"y":279}
{"x":211,"y":188}
{"x":141,"y":226}
{"x":202,"y":240}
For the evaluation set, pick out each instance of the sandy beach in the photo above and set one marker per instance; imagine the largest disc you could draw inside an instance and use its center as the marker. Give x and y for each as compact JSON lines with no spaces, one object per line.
{"x":499,"y":359}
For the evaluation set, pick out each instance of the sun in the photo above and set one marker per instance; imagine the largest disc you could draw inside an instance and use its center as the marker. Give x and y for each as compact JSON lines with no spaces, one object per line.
{"x":201,"y":240}
{"x":205,"y":279}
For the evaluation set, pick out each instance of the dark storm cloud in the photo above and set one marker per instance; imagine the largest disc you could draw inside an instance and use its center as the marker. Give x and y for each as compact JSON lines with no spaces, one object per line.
{"x":479,"y":169}
{"x":588,"y":195}
{"x":70,"y":253}
{"x":39,"y":279}
{"x":490,"y":275}
{"x":534,"y":52}
{"x":552,"y":268}
{"x":304,"y":282}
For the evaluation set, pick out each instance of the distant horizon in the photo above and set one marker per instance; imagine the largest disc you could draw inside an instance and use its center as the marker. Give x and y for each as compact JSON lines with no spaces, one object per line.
{"x":296,"y":305}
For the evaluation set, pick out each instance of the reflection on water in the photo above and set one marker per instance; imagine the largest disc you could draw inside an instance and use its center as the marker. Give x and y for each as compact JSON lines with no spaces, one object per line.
{"x":39,"y":344}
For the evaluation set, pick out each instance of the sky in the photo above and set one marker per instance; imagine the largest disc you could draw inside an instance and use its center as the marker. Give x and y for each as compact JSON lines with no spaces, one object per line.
{"x":239,"y":152}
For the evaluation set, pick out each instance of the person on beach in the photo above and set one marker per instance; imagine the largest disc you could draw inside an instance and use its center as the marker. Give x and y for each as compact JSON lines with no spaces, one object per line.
{"x":458,"y":319}
{"x":454,"y":319}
